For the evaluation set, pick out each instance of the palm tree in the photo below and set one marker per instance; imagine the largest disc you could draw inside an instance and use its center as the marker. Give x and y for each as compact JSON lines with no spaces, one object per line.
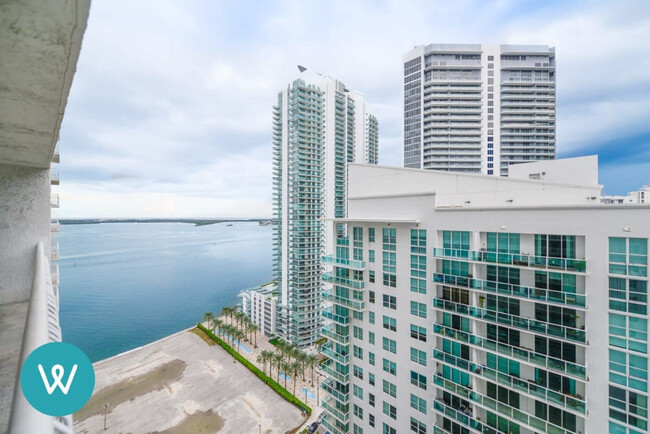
{"x":279,"y":358}
{"x":254,"y":328}
{"x":207,"y":317}
{"x":268,"y":357}
{"x":226,"y":311}
{"x":286,"y":368}
{"x":311,"y":360}
{"x":295,"y":369}
{"x":260,"y":361}
{"x":239,"y":335}
{"x":217,"y":324}
{"x":303,"y":358}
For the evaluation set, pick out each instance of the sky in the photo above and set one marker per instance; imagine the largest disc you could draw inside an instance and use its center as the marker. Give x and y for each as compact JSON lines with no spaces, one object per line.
{"x":169,"y":114}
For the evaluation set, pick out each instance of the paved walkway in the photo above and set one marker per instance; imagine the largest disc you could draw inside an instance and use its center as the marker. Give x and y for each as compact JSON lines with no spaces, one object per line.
{"x":181,"y":384}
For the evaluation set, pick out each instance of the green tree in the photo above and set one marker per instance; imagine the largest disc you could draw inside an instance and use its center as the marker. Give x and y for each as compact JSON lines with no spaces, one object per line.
{"x":296,"y":367}
{"x":254,"y":328}
{"x":207,"y":317}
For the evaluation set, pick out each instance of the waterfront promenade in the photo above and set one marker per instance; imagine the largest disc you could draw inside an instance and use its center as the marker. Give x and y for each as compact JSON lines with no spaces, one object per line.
{"x":181,"y":384}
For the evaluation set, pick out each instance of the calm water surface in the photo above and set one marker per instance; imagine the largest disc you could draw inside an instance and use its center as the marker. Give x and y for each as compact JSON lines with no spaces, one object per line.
{"x":124,"y":285}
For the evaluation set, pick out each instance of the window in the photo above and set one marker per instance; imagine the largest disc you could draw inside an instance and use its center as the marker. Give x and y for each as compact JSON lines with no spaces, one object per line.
{"x":357,"y":352}
{"x":390,"y":323}
{"x":371,"y":235}
{"x":418,"y":380}
{"x":390,"y":301}
{"x":418,"y":356}
{"x":356,"y":429}
{"x":371,"y":358}
{"x":389,"y":239}
{"x":371,"y":317}
{"x":418,"y":285}
{"x":419,"y":404}
{"x":357,"y":332}
{"x":371,"y":376}
{"x":418,"y":427}
{"x":371,"y":276}
{"x":389,"y":388}
{"x":358,"y":411}
{"x":371,"y":399}
{"x":390,"y":367}
{"x":418,"y":309}
{"x":419,"y":333}
{"x":389,"y":280}
{"x":390,"y":345}
{"x":419,"y":241}
{"x":390,"y":410}
{"x":357,"y":372}
{"x":388,"y":429}
{"x":371,"y":255}
{"x":371,"y":420}
{"x":371,"y":297}
{"x":357,"y":391}
{"x":371,"y":338}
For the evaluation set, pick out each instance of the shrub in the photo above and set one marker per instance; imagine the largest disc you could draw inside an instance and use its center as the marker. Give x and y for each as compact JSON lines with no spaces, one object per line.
{"x":255,"y":370}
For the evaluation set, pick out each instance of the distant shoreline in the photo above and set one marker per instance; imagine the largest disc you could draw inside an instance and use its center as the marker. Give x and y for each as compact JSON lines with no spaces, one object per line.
{"x":196,"y":222}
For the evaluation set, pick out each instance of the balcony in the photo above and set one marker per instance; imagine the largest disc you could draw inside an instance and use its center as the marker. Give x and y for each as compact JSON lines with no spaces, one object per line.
{"x":329,"y":351}
{"x":518,"y":353}
{"x":54,"y":274}
{"x":54,"y":253}
{"x":491,"y":404}
{"x":330,"y":387}
{"x":343,"y":281}
{"x":55,"y":226}
{"x":537,"y":294}
{"x":54,"y":200}
{"x":348,"y":302}
{"x":54,"y":177}
{"x":329,"y":404}
{"x":344,"y":263}
{"x":340,"y":319}
{"x":575,"y":403}
{"x":329,"y":333}
{"x":516,"y":259}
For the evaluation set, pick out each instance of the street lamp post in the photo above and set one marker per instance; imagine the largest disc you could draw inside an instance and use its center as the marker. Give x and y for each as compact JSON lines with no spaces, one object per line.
{"x":105,"y":407}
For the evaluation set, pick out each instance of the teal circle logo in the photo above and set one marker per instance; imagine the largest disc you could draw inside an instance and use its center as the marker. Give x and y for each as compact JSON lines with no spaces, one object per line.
{"x":57,"y":379}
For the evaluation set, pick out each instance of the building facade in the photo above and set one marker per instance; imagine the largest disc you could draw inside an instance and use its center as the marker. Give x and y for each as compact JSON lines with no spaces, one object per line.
{"x":468,"y":304}
{"x":478,"y":108}
{"x":319,"y":127}
{"x":260,"y":304}
{"x":39,"y":48}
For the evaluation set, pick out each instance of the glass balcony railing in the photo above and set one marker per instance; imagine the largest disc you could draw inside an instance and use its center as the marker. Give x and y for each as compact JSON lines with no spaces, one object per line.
{"x":575,"y":403}
{"x":537,"y":294}
{"x":522,"y":354}
{"x":335,"y":427}
{"x":330,"y":333}
{"x":343,"y":281}
{"x":348,"y":302}
{"x":329,"y":367}
{"x":329,"y":404}
{"x":344,"y":263}
{"x":516,"y":259}
{"x":329,"y":351}
{"x":491,"y":404}
{"x":329,"y":386}
{"x":341,"y":319}
{"x":518,"y":322}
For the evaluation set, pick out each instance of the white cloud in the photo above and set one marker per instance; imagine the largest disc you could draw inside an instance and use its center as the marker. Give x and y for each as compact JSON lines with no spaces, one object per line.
{"x":170,"y":111}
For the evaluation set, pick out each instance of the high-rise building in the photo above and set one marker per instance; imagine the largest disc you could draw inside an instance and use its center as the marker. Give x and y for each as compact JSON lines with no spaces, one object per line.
{"x":478,"y":108}
{"x":319,"y":127}
{"x":465,"y":303}
{"x":39,"y":47}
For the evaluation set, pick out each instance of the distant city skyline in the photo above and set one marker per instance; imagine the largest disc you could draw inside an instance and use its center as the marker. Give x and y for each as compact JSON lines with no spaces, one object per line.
{"x":170,"y":115}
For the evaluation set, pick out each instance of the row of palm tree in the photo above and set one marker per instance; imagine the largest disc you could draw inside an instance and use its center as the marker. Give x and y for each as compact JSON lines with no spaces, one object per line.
{"x":235,"y":323}
{"x":289,"y":359}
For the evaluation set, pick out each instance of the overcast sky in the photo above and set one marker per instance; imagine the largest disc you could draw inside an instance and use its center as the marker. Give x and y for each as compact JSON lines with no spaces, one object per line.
{"x":170,"y":109}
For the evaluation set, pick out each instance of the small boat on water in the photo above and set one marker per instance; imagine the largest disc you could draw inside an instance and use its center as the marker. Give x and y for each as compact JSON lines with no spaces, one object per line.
{"x":229,"y":224}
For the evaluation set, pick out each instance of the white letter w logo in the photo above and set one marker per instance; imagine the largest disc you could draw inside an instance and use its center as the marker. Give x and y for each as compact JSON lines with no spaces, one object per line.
{"x":57,"y":376}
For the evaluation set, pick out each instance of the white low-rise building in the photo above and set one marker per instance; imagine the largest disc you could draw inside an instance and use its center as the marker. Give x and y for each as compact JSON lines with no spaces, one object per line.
{"x":260,"y":305}
{"x":475,"y":304}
